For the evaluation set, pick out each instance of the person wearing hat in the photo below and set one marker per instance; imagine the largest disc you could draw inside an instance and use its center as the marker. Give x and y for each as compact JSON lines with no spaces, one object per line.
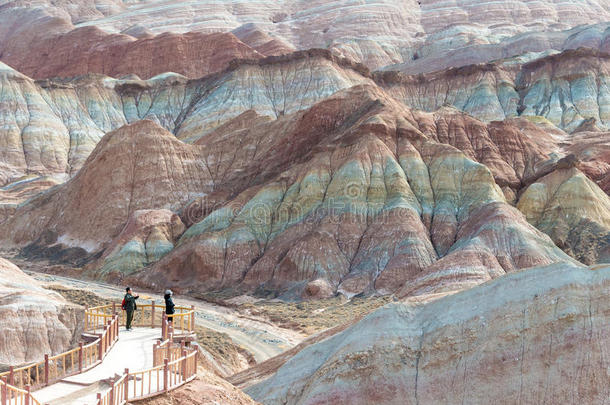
{"x":130,"y":306}
{"x":169,"y":305}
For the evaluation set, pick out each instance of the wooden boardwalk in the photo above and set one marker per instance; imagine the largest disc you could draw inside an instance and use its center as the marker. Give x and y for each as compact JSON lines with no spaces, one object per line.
{"x":117,"y":366}
{"x":133,"y":350}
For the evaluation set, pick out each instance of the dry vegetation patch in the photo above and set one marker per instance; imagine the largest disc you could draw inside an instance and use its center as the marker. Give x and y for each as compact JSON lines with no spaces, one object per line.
{"x":80,"y":297}
{"x":314,"y":316}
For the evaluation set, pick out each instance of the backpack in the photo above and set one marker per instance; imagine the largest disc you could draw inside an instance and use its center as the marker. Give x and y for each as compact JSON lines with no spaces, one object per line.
{"x":123,"y":305}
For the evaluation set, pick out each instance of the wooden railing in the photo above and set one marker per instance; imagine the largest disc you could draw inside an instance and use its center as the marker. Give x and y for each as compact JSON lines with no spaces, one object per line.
{"x":159,"y":379}
{"x":174,"y":364}
{"x":10,"y":395}
{"x":182,"y":322}
{"x":147,"y":315}
{"x":167,"y":349}
{"x":60,"y":366}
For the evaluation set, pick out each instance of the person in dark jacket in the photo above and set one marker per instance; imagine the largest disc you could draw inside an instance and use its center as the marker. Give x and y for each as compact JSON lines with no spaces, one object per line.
{"x":169,"y":305}
{"x":130,"y":306}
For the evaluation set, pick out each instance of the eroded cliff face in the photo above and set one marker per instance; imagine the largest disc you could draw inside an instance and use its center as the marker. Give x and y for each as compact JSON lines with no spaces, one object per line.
{"x":414,"y":36}
{"x":258,"y":185}
{"x":89,"y":50}
{"x":568,"y":206}
{"x":140,"y":166}
{"x":357,"y":193}
{"x":535,"y":336}
{"x":386,"y":31}
{"x":35,"y":321}
{"x":51,"y":127}
{"x":363,"y":194}
{"x":566,"y":89}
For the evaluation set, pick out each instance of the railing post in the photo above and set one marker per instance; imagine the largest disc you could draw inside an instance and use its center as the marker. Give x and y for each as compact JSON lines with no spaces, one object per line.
{"x":4,"y":391}
{"x":116,"y":324}
{"x":28,"y":395}
{"x":183,"y":365}
{"x":80,"y":357}
{"x":165,"y":374}
{"x":11,"y":376}
{"x":99,"y":398}
{"x":114,"y":307}
{"x":100,"y":350}
{"x":192,"y":319}
{"x":164,"y":327}
{"x":110,"y":334}
{"x":104,"y":337}
{"x":46,"y":369}
{"x":152,"y":314}
{"x":126,"y":389}
{"x":111,"y":399}
{"x":155,"y":354}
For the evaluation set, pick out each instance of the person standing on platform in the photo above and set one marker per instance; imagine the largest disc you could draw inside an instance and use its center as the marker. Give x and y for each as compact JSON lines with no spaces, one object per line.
{"x":129,"y":305}
{"x":169,"y":305}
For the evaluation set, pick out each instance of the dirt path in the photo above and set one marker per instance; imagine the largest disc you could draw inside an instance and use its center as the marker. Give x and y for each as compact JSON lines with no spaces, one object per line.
{"x":261,"y":338}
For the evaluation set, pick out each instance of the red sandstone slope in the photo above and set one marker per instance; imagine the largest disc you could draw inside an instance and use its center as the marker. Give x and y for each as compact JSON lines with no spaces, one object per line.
{"x":91,"y":50}
{"x":139,"y":166}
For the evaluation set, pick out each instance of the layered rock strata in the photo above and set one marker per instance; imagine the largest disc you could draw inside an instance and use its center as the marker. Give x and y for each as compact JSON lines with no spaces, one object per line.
{"x":51,"y":126}
{"x":535,"y":336}
{"x":35,"y":321}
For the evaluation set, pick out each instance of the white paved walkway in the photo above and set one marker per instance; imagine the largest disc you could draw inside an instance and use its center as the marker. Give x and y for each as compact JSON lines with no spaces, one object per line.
{"x":133,"y":350}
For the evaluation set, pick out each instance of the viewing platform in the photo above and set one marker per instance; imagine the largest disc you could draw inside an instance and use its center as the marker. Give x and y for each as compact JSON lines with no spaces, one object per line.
{"x":111,"y":365}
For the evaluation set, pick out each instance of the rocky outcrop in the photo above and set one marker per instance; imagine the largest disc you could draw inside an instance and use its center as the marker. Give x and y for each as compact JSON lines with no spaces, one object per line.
{"x":389,"y":31}
{"x":593,"y":152}
{"x":50,"y":130}
{"x":571,"y":209}
{"x":90,"y":50}
{"x":23,"y":189}
{"x":535,"y":336}
{"x":464,"y":45}
{"x":304,"y":176}
{"x":568,"y":89}
{"x":355,"y":194}
{"x":146,"y":238}
{"x":140,"y":166}
{"x":35,"y":321}
{"x":66,"y":119}
{"x":259,"y":40}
